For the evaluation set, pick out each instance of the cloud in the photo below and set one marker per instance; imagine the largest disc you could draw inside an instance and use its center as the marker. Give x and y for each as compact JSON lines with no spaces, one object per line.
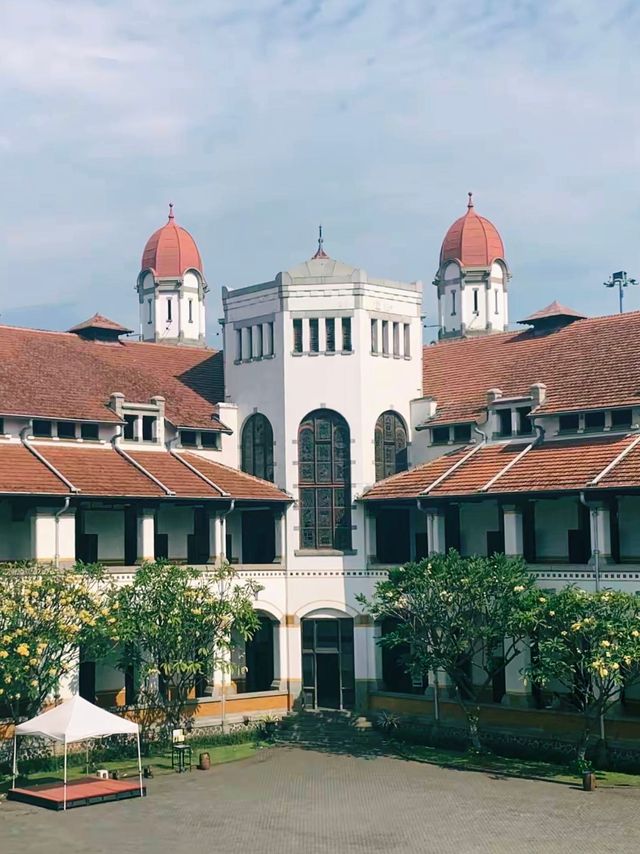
{"x":258,"y":118}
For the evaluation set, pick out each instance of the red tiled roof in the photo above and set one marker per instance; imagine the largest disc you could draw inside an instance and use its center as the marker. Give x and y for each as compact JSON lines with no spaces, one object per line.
{"x":236,"y":483}
{"x":554,"y":309}
{"x":99,"y":321}
{"x":591,"y":363}
{"x":472,"y":240}
{"x":554,"y":466}
{"x":171,"y":250}
{"x":22,"y":472}
{"x":99,"y":471}
{"x":61,"y":375}
{"x":174,"y":474}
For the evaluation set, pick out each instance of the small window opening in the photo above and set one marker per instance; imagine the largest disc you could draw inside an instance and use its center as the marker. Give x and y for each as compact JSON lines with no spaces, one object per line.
{"x":210,"y":440}
{"x":149,"y":312}
{"x":462,"y":433}
{"x":439,"y":435}
{"x":569,"y":423}
{"x":297,"y":335}
{"x":594,"y":421}
{"x":407,"y":339}
{"x":259,"y":341}
{"x":396,"y":339}
{"x":453,"y":302}
{"x":330,"y":334}
{"x":271,"y":342}
{"x":129,"y":426}
{"x":504,"y":422}
{"x":188,"y":438}
{"x":66,"y":429}
{"x":525,"y":427}
{"x":169,"y":310}
{"x":190,"y":311}
{"x":90,"y":432}
{"x":238,"y":345}
{"x":621,"y":418}
{"x":346,"y":335}
{"x":497,"y":308}
{"x":314,"y":335}
{"x":41,"y":428}
{"x":374,"y":336}
{"x":148,"y":428}
{"x":385,"y":337}
{"x":475,"y":301}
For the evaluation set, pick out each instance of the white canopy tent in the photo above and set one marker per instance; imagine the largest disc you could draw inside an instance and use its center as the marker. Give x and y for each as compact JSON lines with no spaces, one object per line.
{"x":76,"y":720}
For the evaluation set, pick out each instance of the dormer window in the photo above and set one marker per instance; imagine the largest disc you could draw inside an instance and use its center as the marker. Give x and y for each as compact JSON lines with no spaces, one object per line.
{"x":66,"y":429}
{"x":169,"y":311}
{"x":205,"y":439}
{"x":594,"y":421}
{"x":504,"y":422}
{"x":42,"y":429}
{"x":129,"y":431}
{"x":439,"y":435}
{"x":148,"y":428}
{"x":569,"y":423}
{"x":525,"y":427}
{"x":462,"y":433}
{"x":475,"y":301}
{"x":90,"y":432}
{"x":620,"y":419}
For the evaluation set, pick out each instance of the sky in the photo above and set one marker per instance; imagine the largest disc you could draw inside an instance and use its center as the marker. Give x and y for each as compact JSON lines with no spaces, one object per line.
{"x":260,"y":119}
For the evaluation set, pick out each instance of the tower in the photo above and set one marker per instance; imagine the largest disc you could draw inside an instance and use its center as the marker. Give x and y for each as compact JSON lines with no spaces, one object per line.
{"x":472,"y":278}
{"x":171,"y":287}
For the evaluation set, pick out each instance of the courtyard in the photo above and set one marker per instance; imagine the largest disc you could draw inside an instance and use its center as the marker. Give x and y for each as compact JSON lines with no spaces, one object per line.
{"x":293,"y":799}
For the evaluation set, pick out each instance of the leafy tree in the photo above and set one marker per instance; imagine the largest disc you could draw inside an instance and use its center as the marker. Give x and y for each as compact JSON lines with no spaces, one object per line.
{"x":453,"y":613}
{"x":46,"y":614}
{"x":590,"y":644}
{"x":174,"y":625}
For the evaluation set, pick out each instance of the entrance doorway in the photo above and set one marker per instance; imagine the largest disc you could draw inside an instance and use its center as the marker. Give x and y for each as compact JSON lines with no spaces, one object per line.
{"x":328,"y":680}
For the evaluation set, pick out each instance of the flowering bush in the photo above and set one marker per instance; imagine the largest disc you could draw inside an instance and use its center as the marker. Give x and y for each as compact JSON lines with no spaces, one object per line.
{"x":46,"y":614}
{"x":590,"y":644}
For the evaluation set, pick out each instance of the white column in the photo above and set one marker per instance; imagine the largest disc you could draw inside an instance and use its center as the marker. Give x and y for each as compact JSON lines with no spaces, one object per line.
{"x":246,"y":342}
{"x":600,"y":530}
{"x":364,"y":651}
{"x":43,"y":535}
{"x":338,"y":334}
{"x":371,"y":545}
{"x":146,"y":523}
{"x":279,"y":523}
{"x":255,"y":342}
{"x":516,"y":692}
{"x":513,"y":530}
{"x":322,"y":334}
{"x":435,"y":531}
{"x":291,"y":649}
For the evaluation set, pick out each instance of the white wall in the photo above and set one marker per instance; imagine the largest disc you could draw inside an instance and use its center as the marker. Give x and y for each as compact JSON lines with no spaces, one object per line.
{"x":475,"y":521}
{"x":553,"y":519}
{"x":109,"y":526}
{"x":628,"y":519}
{"x":15,"y":536}
{"x":177,"y":522}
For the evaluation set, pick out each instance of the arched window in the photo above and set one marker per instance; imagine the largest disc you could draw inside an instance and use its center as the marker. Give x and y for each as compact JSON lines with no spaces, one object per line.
{"x":390,"y":445}
{"x":324,"y":471}
{"x":257,"y":447}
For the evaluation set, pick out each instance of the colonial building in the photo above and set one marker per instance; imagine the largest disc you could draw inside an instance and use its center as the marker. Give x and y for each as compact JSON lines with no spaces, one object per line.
{"x":323,"y":444}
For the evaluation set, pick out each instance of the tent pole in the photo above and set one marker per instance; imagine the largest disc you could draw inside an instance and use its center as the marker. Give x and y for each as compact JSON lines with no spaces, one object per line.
{"x":65,"y":773}
{"x":139,"y":762}
{"x":15,"y":758}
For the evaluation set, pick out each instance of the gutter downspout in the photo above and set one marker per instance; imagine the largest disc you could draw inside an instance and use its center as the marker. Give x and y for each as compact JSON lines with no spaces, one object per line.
{"x":57,"y":515}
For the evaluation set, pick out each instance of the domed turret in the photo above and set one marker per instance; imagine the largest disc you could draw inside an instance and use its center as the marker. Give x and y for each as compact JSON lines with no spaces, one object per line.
{"x":171,"y":287}
{"x":472,"y":278}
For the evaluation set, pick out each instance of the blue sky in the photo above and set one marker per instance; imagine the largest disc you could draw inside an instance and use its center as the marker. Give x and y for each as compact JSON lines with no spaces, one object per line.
{"x":259,"y":119}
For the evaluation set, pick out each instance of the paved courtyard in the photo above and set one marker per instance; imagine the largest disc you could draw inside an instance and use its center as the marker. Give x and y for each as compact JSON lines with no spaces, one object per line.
{"x":290,"y":799}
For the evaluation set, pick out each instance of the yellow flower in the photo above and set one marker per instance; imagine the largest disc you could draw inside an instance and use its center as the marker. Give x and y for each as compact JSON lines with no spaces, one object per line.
{"x":615,"y":666}
{"x":52,"y":671}
{"x":563,"y":633}
{"x":22,"y":649}
{"x":635,"y":633}
{"x":552,"y":613}
{"x":518,"y":588}
{"x":34,"y":683}
{"x":7,"y":680}
{"x":627,"y":659}
{"x":604,"y":671}
{"x":7,"y":639}
{"x":4,"y":653}
{"x":605,"y":643}
{"x":576,"y":626}
{"x":542,"y":599}
{"x":33,"y":661}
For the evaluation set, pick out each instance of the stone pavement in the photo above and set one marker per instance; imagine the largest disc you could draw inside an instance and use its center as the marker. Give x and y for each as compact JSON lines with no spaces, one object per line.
{"x":296,"y":799}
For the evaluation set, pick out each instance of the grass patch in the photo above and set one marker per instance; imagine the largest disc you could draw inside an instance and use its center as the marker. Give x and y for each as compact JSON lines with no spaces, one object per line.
{"x":159,"y":761}
{"x":524,"y":768}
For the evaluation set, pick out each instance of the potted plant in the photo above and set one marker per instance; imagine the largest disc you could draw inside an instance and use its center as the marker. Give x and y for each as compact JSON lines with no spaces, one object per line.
{"x":268,"y":726}
{"x":585,"y":768}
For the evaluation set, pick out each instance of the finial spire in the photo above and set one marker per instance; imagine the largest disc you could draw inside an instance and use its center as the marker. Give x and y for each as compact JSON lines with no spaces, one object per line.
{"x":320,"y":252}
{"x":171,"y":216}
{"x":470,"y":202}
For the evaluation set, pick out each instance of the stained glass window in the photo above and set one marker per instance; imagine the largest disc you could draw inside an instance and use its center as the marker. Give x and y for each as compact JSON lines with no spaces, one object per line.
{"x":257,"y":447}
{"x":324,"y":466}
{"x":390,"y":445}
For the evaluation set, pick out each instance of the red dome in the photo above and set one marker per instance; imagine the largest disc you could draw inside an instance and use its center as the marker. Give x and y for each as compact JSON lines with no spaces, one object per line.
{"x":472,"y":240}
{"x":171,"y":250}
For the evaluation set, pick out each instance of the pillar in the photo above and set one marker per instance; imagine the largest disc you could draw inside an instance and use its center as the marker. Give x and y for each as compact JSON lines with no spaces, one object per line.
{"x":216,"y":542}
{"x":290,"y":646}
{"x":53,"y":538}
{"x":146,"y":523}
{"x":365,"y":666}
{"x":516,"y":692}
{"x":436,"y":531}
{"x":371,"y":544}
{"x":513,"y":530}
{"x":600,"y":530}
{"x":279,"y":523}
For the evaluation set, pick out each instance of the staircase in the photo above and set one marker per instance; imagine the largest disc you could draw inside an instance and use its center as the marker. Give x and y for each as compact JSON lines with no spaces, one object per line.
{"x":331,"y":731}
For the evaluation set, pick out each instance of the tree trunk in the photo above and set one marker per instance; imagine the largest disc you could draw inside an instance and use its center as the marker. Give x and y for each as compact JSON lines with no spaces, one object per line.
{"x":473,"y":727}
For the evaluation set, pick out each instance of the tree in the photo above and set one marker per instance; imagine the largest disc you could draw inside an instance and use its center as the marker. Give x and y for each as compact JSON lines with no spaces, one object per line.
{"x":174,"y":625}
{"x":590,"y":644}
{"x":465,"y":616}
{"x":46,"y":614}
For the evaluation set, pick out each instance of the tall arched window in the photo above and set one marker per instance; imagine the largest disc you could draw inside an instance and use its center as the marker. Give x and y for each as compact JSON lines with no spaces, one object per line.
{"x":324,"y":469}
{"x":390,"y":445}
{"x":257,"y":447}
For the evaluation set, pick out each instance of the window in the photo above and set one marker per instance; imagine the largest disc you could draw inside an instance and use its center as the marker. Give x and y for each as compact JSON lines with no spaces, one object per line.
{"x":619,"y":418}
{"x":297,"y":335}
{"x":453,"y":303}
{"x":270,"y":350}
{"x":189,"y":438}
{"x":475,"y":301}
{"x":257,"y":447}
{"x":324,"y":473}
{"x":148,"y":428}
{"x":149,"y":312}
{"x":249,"y":343}
{"x":462,"y":433}
{"x":385,"y":337}
{"x":210,"y":440}
{"x":129,"y":426}
{"x":346,"y":335}
{"x":396,"y":339}
{"x":259,"y":341}
{"x":42,"y":429}
{"x":330,"y":334}
{"x":439,"y":435}
{"x":504,"y":422}
{"x":594,"y":421}
{"x":407,"y":340}
{"x":190,"y":311}
{"x":496,"y":309}
{"x":1,"y":426}
{"x":314,"y":335}
{"x":390,"y":440}
{"x":238,"y":345}
{"x":374,"y":336}
{"x":169,"y":310}
{"x":525,"y":427}
{"x":90,"y":432}
{"x":569,"y":423}
{"x":66,"y":429}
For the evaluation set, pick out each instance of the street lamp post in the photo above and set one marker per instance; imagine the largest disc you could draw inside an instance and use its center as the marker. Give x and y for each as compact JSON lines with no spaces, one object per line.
{"x":620,"y":281}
